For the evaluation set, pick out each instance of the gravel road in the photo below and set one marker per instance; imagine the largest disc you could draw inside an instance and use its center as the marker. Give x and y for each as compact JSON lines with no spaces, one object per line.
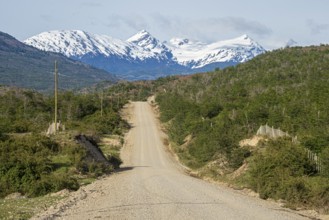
{"x":151,"y":185}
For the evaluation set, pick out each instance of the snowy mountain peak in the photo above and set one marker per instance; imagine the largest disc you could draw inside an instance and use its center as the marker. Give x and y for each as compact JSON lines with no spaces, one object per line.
{"x":245,"y":37}
{"x":198,"y":54}
{"x":72,"y":43}
{"x":243,"y":40}
{"x":145,"y":39}
{"x":144,"y":53}
{"x":140,"y":35}
{"x":76,"y":43}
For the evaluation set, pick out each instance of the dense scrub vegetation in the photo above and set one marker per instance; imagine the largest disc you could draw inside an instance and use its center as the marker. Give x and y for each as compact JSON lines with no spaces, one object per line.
{"x":24,"y":111}
{"x":283,"y":171}
{"x":208,"y":114}
{"x":26,"y":166}
{"x":34,"y":164}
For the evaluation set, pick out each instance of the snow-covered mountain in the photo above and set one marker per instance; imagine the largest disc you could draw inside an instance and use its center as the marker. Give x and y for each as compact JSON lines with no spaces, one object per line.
{"x":79,"y":43}
{"x":196,"y":54}
{"x":143,"y":56}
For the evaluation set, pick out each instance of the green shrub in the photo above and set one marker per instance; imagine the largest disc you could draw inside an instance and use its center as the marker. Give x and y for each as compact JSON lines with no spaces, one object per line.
{"x":279,"y":170}
{"x":52,"y":183}
{"x":23,"y":160}
{"x":25,"y":166}
{"x":114,"y":160}
{"x":318,"y":193}
{"x":316,"y":143}
{"x":237,"y":157}
{"x":324,"y":157}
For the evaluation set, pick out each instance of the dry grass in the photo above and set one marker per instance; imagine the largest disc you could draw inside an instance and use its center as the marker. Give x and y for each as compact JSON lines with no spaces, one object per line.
{"x":25,"y":208}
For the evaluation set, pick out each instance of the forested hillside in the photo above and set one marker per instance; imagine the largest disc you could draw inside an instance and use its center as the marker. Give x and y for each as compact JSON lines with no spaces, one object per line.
{"x":27,"y":67}
{"x":207,"y":115}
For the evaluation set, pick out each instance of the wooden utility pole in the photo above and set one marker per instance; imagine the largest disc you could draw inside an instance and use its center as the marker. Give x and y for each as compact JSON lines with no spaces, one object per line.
{"x":102,"y":94}
{"x":56,"y":87}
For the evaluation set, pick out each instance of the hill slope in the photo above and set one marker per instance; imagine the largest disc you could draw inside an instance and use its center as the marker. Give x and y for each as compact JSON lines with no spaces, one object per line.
{"x":285,"y":88}
{"x":25,"y":66}
{"x":207,"y":115}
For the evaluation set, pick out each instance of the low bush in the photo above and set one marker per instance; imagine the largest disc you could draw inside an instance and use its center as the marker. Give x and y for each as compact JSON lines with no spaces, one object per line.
{"x":24,"y":161}
{"x":115,"y":160}
{"x":282,"y":170}
{"x":53,"y":183}
{"x":26,"y":165}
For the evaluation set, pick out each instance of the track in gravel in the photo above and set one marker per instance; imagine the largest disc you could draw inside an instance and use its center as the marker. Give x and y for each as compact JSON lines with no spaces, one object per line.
{"x":151,"y":185}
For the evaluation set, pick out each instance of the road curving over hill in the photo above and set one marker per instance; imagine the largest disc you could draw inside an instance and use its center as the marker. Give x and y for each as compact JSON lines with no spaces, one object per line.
{"x":151,"y":185}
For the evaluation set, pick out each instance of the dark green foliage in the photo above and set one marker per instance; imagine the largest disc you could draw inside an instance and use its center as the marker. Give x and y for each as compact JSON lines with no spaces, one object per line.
{"x":316,"y":143}
{"x":134,"y":91}
{"x":53,"y":183}
{"x":325,"y":162}
{"x":108,"y":123}
{"x":277,"y":171}
{"x":237,"y":157}
{"x":94,"y":168}
{"x":27,"y":111}
{"x":210,"y":109}
{"x":283,"y":171}
{"x":115,"y":160}
{"x":22,"y":111}
{"x":26,"y":167}
{"x":286,"y":89}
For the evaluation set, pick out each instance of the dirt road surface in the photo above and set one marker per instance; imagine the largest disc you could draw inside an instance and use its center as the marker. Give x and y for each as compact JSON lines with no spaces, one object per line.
{"x":151,"y":185}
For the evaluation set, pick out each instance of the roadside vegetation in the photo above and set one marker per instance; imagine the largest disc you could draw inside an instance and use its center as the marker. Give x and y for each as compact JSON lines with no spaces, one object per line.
{"x":34,"y":164}
{"x":23,"y":208}
{"x":207,"y":115}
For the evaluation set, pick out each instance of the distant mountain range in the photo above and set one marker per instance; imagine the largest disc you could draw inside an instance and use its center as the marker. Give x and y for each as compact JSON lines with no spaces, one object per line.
{"x":25,"y":66}
{"x":143,"y":56}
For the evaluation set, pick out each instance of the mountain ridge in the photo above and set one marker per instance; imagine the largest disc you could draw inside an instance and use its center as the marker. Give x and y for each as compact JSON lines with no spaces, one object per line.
{"x":198,"y":54}
{"x":143,"y":56}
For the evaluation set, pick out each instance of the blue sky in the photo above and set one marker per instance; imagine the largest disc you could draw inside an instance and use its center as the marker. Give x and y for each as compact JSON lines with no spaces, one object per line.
{"x":272,"y":23}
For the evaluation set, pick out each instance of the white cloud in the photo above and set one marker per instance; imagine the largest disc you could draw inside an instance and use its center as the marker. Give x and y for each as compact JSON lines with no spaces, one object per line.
{"x":209,"y":29}
{"x":317,"y":28}
{"x":125,"y":24}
